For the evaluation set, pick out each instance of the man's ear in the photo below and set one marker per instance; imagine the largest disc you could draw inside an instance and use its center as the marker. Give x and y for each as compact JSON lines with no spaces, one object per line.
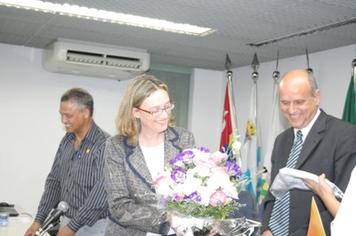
{"x":86,"y":113}
{"x":317,"y":97}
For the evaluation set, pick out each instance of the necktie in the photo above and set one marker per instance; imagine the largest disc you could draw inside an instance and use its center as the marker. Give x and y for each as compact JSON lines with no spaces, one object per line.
{"x":279,"y":222}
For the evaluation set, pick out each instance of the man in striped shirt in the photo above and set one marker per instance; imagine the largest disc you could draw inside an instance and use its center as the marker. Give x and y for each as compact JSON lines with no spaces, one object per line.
{"x":76,"y":176}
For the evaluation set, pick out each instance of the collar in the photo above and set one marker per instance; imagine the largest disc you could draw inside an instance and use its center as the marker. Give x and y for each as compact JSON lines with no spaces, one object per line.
{"x":170,"y":135}
{"x":90,"y":136}
{"x":306,"y":129}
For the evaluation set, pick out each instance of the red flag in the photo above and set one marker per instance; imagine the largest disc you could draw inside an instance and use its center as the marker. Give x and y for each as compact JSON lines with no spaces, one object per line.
{"x":227,"y":121}
{"x":229,"y":141}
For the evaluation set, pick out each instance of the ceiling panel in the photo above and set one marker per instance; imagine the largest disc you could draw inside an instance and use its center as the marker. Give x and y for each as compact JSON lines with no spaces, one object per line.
{"x":237,"y":23}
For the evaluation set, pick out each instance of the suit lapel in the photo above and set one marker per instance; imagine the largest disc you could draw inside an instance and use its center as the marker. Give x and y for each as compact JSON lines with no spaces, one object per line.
{"x":139,"y":164}
{"x":314,"y":137}
{"x":288,"y":145}
{"x":136,"y":160}
{"x":170,"y":147}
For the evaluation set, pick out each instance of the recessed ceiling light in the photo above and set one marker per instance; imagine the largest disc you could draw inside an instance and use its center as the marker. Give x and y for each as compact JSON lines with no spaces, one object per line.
{"x":107,"y":16}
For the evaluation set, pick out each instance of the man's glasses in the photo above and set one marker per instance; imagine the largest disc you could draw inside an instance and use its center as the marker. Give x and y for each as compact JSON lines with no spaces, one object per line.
{"x":157,"y":111}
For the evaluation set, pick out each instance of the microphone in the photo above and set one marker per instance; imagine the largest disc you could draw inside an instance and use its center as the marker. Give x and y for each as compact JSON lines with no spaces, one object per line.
{"x":53,"y":217}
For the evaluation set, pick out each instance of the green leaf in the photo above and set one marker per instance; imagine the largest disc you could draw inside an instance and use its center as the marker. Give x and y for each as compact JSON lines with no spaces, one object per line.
{"x":196,"y":210}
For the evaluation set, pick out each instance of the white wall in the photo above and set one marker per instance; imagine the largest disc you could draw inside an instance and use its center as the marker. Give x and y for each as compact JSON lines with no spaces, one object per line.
{"x":332,"y":69}
{"x":30,"y":123}
{"x":206,"y":107}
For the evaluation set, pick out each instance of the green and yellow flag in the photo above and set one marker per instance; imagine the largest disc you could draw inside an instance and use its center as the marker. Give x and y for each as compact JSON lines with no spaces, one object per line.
{"x":349,"y":113}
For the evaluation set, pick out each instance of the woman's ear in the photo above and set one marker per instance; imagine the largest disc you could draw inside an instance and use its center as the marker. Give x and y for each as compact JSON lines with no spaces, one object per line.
{"x":136,"y":113}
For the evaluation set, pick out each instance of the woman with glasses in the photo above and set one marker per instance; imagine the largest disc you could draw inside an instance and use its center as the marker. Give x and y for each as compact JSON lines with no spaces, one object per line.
{"x":146,"y":141}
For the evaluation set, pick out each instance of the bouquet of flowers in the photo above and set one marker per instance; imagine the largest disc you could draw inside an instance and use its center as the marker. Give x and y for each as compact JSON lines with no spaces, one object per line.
{"x":202,"y":188}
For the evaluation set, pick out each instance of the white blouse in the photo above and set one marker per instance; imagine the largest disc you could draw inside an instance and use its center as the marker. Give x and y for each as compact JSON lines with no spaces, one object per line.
{"x":154,"y":158}
{"x":344,"y":220}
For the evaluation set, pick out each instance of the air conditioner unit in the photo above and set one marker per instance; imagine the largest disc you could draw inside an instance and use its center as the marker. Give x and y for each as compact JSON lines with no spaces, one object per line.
{"x":96,"y":60}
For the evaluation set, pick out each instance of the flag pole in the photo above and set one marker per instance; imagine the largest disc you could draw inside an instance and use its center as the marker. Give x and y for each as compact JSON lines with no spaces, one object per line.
{"x":349,"y":112}
{"x":276,"y":77}
{"x":310,"y":70}
{"x":235,"y":147}
{"x":255,"y":65}
{"x":354,"y":72}
{"x":276,"y":74}
{"x":252,"y":129}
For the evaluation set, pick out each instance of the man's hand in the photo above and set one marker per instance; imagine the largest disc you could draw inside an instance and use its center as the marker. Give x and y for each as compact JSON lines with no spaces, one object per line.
{"x":267,"y":233}
{"x":66,"y":231}
{"x":32,"y":229}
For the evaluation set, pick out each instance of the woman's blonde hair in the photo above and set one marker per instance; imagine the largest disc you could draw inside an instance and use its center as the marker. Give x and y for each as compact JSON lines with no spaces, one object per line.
{"x":137,"y":91}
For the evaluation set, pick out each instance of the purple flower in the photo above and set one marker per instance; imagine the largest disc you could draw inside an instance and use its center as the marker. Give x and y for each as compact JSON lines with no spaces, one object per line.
{"x":178,"y":175}
{"x":233,"y":169}
{"x":204,"y":149}
{"x":194,"y":197}
{"x":178,"y":197}
{"x":184,"y":157}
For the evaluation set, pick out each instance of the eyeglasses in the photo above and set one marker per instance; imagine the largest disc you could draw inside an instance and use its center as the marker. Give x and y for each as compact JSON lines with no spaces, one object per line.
{"x":157,"y":111}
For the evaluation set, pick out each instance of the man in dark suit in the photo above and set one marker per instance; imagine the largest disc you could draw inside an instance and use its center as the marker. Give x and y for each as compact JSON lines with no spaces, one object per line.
{"x":328,"y":146}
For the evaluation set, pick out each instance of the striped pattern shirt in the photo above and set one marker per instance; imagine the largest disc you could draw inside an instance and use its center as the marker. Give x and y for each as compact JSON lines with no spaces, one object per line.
{"x":76,"y":177}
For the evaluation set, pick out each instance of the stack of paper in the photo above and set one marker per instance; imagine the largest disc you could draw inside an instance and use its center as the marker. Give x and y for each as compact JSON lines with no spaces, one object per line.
{"x":288,"y":178}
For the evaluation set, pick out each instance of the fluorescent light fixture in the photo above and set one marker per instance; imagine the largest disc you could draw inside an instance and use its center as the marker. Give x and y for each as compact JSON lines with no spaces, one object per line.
{"x":107,"y":16}
{"x":352,"y":20}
